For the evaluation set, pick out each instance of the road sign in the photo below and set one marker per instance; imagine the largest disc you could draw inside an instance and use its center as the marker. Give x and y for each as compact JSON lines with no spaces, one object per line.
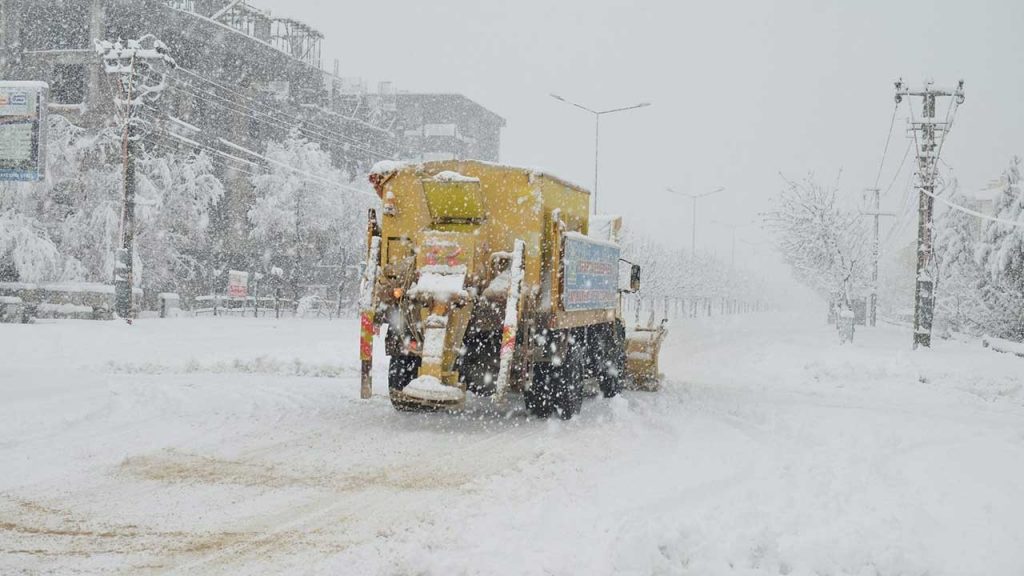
{"x":23,"y":131}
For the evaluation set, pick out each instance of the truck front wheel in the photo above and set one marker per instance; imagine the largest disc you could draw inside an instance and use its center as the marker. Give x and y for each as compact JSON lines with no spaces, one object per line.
{"x":612,"y":360}
{"x":558,"y":387}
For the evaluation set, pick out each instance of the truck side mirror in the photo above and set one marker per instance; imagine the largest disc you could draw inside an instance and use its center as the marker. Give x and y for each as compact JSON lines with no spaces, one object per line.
{"x":634,"y":278}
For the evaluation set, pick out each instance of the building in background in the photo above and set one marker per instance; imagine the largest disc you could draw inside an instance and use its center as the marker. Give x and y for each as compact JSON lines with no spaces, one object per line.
{"x":245,"y":78}
{"x":447,"y":127}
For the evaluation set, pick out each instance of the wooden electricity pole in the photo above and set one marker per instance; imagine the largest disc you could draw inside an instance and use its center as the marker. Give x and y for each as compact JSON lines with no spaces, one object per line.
{"x":139,"y":68}
{"x":929,"y":136}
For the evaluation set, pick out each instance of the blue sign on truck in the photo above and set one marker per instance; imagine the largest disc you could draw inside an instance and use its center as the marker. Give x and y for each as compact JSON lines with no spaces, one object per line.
{"x":591,"y":274}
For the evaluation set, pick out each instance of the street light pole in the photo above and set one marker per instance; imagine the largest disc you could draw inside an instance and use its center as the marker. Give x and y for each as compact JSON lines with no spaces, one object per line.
{"x":694,"y":197}
{"x":597,"y":129}
{"x":597,"y":142}
{"x":734,"y":228}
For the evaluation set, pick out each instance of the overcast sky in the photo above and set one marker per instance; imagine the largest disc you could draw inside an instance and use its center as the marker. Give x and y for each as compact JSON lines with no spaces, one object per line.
{"x":741,"y":90}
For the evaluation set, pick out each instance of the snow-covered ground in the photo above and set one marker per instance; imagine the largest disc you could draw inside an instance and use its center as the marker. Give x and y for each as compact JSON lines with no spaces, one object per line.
{"x":240,"y":446}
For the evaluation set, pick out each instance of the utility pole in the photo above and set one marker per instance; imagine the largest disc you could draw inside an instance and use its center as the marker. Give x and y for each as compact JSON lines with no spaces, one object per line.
{"x":929,"y":136}
{"x":876,"y":213}
{"x":139,"y":68}
{"x":693,"y":227}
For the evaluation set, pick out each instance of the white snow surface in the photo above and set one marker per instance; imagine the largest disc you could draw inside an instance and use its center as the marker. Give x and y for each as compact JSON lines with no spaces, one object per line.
{"x":240,"y":446}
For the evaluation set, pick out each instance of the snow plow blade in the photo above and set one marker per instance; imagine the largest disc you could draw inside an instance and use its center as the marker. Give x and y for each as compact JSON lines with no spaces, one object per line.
{"x":643,"y":345}
{"x":427,"y":394}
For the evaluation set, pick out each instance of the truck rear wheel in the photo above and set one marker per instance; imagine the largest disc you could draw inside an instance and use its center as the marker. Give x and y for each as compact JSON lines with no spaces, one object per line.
{"x":558,"y":387}
{"x":540,"y":398}
{"x":401,"y":371}
{"x":478,"y":367}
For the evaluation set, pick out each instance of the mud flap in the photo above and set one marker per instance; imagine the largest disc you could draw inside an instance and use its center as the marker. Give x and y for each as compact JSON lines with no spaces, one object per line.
{"x":510,"y":326}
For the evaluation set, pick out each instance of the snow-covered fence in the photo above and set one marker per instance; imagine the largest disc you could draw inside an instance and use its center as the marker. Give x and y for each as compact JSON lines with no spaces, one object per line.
{"x":1004,"y":346}
{"x":261,"y":307}
{"x":80,"y":300}
{"x":675,"y":308}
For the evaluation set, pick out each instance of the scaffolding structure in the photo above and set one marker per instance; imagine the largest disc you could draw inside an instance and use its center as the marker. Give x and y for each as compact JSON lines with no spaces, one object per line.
{"x":294,"y":38}
{"x":297,"y":39}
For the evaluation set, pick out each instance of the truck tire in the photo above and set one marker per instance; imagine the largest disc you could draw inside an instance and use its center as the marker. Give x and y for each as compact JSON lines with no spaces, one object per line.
{"x":569,"y":381}
{"x":540,"y":398}
{"x":401,"y":370}
{"x":559,"y":387}
{"x":478,"y":367}
{"x":612,"y":360}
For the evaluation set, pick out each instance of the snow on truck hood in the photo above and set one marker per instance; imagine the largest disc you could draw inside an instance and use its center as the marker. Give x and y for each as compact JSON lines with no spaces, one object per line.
{"x":452,"y":176}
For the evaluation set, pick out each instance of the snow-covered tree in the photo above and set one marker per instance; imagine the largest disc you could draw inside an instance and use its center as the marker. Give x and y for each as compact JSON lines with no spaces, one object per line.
{"x":65,"y":227}
{"x":175,"y":197}
{"x":301,"y":221}
{"x":826,"y":246}
{"x":677,"y":274}
{"x":1002,"y":257}
{"x":958,"y":300}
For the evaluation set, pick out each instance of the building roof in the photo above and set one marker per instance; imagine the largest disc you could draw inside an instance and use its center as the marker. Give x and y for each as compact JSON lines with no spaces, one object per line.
{"x":459,"y":99}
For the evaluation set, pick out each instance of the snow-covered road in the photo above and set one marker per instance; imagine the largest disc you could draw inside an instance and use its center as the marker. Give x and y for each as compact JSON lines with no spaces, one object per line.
{"x":239,"y":446}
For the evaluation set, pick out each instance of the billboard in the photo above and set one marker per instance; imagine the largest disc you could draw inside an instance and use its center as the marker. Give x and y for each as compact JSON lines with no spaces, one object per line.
{"x":23,"y":131}
{"x":238,"y":284}
{"x":591,"y":274}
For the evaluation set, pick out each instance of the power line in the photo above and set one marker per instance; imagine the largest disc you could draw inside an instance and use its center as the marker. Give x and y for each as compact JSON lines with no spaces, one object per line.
{"x":885,"y":150}
{"x":975,"y":213}
{"x":906,"y":216}
{"x":240,"y":148}
{"x":189,"y":142}
{"x":235,"y":93}
{"x":270,"y":120}
{"x":214,"y":157}
{"x":296,"y":170}
{"x":896,"y":176}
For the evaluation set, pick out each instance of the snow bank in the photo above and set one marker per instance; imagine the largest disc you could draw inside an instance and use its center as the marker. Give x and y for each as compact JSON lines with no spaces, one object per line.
{"x":1004,"y":346}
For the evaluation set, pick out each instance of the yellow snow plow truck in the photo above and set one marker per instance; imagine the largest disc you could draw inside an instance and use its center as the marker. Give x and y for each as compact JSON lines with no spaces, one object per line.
{"x":491,"y":280}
